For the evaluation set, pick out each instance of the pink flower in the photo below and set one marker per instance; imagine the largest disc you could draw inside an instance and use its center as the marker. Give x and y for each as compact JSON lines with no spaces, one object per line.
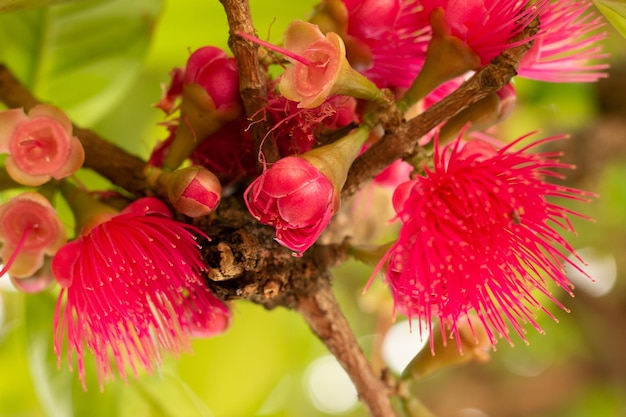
{"x":296,"y":199}
{"x":385,"y":41}
{"x":320,"y":68}
{"x":563,"y":50}
{"x":29,"y":230}
{"x":40,"y":145}
{"x":132,"y":286}
{"x":486,"y":26}
{"x":479,"y":232}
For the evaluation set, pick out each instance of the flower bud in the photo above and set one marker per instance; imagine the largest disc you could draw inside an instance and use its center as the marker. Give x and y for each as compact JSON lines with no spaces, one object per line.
{"x":193,"y":191}
{"x":210,"y":99}
{"x":299,"y":195}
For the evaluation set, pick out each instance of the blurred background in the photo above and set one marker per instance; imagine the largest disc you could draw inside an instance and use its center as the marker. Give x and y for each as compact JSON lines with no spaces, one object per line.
{"x":269,"y":363}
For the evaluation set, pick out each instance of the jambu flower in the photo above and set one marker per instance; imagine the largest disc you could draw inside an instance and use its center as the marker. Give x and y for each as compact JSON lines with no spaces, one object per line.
{"x":40,"y":145}
{"x":132,"y":286}
{"x":564,"y":48}
{"x":29,"y":230}
{"x":319,"y":67}
{"x":485,"y":26}
{"x":479,"y":232}
{"x":384,"y":39}
{"x":299,"y":195}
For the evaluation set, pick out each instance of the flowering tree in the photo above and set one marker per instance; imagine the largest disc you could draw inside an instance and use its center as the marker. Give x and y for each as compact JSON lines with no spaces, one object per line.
{"x":265,"y":144}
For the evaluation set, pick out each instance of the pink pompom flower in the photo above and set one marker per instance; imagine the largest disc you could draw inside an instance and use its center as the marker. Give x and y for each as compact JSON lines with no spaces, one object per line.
{"x":385,"y":40}
{"x":485,"y":26}
{"x":40,"y":145}
{"x":132,"y":286}
{"x":567,"y":45}
{"x":480,"y":232}
{"x":29,"y":230}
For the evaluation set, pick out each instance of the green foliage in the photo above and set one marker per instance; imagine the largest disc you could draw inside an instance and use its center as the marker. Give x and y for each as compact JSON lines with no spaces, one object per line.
{"x":615,"y":12}
{"x":12,"y":5}
{"x":82,"y":56}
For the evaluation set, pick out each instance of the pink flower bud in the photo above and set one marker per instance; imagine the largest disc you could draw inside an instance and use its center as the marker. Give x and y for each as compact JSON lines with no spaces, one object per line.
{"x":193,"y":191}
{"x":294,"y":197}
{"x":210,"y":100}
{"x":217,"y":74}
{"x":40,"y":145}
{"x":29,"y":229}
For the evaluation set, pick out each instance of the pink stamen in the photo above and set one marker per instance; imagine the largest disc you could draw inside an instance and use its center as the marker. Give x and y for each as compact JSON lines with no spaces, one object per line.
{"x":19,"y":246}
{"x":275,"y":48}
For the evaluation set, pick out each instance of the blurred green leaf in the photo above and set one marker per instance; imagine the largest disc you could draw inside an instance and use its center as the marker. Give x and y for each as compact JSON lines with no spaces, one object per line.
{"x":165,"y":395}
{"x":615,"y":12}
{"x":81,"y":56}
{"x":11,"y":5}
{"x":53,"y":387}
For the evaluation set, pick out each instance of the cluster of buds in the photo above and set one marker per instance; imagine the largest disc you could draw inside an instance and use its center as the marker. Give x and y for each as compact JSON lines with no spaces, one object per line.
{"x":480,"y":227}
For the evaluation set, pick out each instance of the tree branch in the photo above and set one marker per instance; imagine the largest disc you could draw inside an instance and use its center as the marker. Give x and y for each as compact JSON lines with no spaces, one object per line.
{"x":252,"y":77}
{"x":323,"y":314}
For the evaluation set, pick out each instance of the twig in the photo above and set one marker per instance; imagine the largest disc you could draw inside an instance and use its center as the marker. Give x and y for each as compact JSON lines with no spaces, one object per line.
{"x":252,"y":76}
{"x":323,"y":314}
{"x":402,"y":143}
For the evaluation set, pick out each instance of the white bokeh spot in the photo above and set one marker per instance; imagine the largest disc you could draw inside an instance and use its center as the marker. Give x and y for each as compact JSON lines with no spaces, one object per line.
{"x":329,"y":387}
{"x":402,"y":342}
{"x":601,"y":268}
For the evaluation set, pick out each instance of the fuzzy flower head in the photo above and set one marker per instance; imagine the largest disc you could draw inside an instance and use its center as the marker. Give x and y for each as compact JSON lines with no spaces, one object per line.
{"x":479,"y":232}
{"x":485,"y":26}
{"x":29,"y":230}
{"x":40,"y":145}
{"x":385,"y":40}
{"x":566,"y":46}
{"x":393,"y":37}
{"x":132,"y":287}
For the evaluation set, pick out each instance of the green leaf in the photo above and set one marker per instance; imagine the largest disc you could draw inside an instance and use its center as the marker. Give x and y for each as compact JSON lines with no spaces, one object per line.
{"x":11,"y":5}
{"x":164,"y":395}
{"x":81,"y":56}
{"x":53,"y":387}
{"x":615,"y":12}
